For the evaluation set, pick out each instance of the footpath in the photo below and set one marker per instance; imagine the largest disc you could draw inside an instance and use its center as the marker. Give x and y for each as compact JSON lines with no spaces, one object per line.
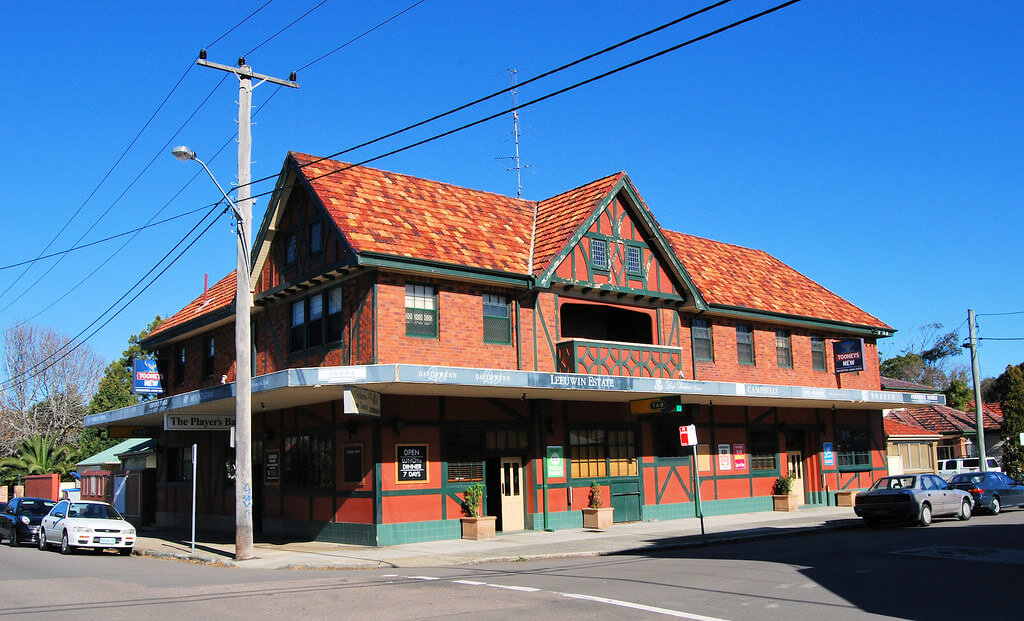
{"x":638,"y":537}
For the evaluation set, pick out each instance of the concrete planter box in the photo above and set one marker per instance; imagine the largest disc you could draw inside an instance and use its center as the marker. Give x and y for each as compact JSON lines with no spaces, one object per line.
{"x":478,"y":527}
{"x":784,"y":502}
{"x":597,"y":519}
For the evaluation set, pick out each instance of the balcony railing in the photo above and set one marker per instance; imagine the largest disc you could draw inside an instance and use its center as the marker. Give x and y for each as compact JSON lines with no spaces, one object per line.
{"x":613,"y":358}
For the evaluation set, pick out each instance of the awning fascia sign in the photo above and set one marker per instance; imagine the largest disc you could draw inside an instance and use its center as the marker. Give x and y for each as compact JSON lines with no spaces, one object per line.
{"x":198,"y":422}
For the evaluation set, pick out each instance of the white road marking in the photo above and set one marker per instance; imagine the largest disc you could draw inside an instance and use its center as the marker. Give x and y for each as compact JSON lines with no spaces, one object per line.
{"x":470,"y":582}
{"x":423,"y":578}
{"x":514,"y":588}
{"x":661,"y":611}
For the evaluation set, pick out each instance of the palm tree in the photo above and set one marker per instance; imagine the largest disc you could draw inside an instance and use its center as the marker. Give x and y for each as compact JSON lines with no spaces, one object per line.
{"x":38,"y":454}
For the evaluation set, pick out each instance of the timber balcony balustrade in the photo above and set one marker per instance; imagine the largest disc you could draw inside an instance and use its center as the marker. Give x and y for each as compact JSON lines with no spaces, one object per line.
{"x":614,"y":358}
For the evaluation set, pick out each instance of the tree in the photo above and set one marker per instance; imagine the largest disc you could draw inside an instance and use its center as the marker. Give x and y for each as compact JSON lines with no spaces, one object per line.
{"x":46,"y":382}
{"x":40,"y":454}
{"x":928,"y":358}
{"x":958,"y":395}
{"x":1013,"y":421}
{"x":997,"y":387}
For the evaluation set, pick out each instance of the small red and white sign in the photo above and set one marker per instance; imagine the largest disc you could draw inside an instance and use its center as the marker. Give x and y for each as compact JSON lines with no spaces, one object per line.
{"x":688,"y":435}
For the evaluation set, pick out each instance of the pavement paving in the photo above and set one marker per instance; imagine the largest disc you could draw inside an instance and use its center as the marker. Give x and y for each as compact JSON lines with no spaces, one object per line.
{"x":635,"y":537}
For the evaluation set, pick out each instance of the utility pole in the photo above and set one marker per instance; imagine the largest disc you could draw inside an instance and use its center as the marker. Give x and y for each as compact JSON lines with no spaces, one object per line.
{"x":972,"y":344}
{"x":243,"y":304}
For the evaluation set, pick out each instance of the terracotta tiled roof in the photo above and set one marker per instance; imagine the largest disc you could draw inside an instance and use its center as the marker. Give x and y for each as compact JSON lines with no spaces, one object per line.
{"x":560,"y":216}
{"x":219,"y":296}
{"x":943,"y":419}
{"x":736,"y":276}
{"x":889,"y":383}
{"x":894,"y":427}
{"x":399,"y":215}
{"x":995,"y":410}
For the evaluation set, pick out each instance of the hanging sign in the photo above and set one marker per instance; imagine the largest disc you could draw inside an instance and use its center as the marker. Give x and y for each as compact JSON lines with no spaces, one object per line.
{"x":362,"y":401}
{"x":849,"y":355}
{"x":146,"y":378}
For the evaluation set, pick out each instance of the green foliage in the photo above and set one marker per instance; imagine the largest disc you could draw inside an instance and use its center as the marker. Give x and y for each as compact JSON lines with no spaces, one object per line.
{"x":783,"y":485}
{"x":93,"y":440}
{"x":594,"y":500}
{"x":115,"y":387}
{"x":927,"y":359}
{"x":37,"y":455}
{"x":1013,"y":421}
{"x":959,"y":395}
{"x":999,"y":386}
{"x":474,"y":500}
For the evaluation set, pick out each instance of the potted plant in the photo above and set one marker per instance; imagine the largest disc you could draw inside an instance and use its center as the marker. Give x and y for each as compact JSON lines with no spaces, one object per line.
{"x":783,"y":498}
{"x":595,"y":514}
{"x":475,"y":525}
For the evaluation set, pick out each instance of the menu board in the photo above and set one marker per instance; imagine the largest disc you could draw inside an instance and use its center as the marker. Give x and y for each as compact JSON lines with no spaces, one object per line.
{"x":272,"y":467}
{"x":412,"y":463}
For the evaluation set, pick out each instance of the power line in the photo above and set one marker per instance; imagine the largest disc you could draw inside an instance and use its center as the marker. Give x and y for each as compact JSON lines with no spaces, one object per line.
{"x":998,"y":314}
{"x":354,"y":39}
{"x":232,"y":29}
{"x":992,"y":338}
{"x":295,"y":21}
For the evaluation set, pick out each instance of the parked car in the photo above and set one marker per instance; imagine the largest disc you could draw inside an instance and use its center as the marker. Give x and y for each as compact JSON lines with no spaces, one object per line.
{"x":946,"y":468}
{"x":914,"y":497}
{"x":86,"y":524}
{"x":991,"y":490}
{"x":19,"y":520}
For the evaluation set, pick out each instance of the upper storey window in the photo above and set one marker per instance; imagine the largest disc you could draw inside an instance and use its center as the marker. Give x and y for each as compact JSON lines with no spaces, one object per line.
{"x":310,"y":326}
{"x":703,"y":348}
{"x":291,"y":248}
{"x":634,"y":261}
{"x":599,"y":253}
{"x":783,"y":349}
{"x":818,"y":353}
{"x":745,"y":344}
{"x":316,"y":237}
{"x":497,"y":319}
{"x":420,"y":310}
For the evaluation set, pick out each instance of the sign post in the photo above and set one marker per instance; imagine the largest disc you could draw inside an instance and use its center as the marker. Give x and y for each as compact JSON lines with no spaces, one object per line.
{"x":688,"y":437}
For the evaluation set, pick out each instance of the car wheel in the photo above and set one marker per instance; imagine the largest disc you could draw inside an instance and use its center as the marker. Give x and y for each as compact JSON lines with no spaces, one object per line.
{"x":125,"y":551}
{"x":996,"y":508}
{"x":65,"y":547}
{"x":926,"y":515}
{"x":42,"y":539}
{"x":13,"y":541}
{"x":965,"y":511}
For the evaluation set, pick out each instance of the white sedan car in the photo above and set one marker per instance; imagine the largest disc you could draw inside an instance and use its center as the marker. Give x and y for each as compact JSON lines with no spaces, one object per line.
{"x":86,"y":524}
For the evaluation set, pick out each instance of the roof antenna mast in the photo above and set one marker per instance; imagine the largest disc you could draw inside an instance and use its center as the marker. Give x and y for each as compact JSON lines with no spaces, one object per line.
{"x":515,"y":132}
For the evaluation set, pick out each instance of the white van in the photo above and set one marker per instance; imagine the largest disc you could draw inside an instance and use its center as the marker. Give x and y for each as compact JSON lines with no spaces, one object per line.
{"x":948,"y":467}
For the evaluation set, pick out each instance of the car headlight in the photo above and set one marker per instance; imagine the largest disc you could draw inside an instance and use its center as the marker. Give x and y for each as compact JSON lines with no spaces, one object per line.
{"x":81,"y":529}
{"x":130,"y":531}
{"x":25,"y":520}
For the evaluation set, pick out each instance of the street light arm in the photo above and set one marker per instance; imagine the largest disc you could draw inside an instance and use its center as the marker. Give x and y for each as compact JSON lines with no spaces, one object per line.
{"x":234,"y":209}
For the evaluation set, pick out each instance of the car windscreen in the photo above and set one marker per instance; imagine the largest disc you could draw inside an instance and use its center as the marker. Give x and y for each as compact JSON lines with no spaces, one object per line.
{"x":894,"y":483}
{"x":35,"y":507}
{"x":93,"y":511}
{"x":972,"y":479}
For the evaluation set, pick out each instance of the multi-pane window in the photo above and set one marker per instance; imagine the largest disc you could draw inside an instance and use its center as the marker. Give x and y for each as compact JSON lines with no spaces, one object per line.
{"x":291,"y":248}
{"x":599,"y":253}
{"x":315,"y":321}
{"x":309,"y":461}
{"x":316,"y":240}
{"x":420,"y":311}
{"x":602,"y":452}
{"x":209,"y":357}
{"x":703,"y":349}
{"x":464,"y":455}
{"x":818,"y":353}
{"x":783,"y":348}
{"x":334,"y":318}
{"x":763,"y":446}
{"x":745,"y":344}
{"x":179,"y":464}
{"x":179,"y":366}
{"x":497,"y":319}
{"x":666,"y":438}
{"x":297,"y":333}
{"x":853,"y":448}
{"x":634,"y":257}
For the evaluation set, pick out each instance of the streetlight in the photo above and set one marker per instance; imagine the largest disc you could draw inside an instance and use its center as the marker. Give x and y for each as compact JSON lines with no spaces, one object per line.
{"x":243,"y":372}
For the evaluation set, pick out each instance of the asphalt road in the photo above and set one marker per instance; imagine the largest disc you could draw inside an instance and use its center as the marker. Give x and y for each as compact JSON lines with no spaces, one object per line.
{"x":949,"y":570}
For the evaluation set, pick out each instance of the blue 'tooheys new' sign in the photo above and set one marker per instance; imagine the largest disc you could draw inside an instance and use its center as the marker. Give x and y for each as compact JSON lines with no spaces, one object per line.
{"x":828,"y":455}
{"x":146,"y":378}
{"x":849,"y":354}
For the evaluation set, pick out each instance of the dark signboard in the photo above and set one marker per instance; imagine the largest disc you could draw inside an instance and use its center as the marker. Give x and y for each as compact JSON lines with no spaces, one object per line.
{"x":146,"y":378}
{"x":412,"y":463}
{"x":849,"y":355}
{"x":272,"y":467}
{"x":353,"y":463}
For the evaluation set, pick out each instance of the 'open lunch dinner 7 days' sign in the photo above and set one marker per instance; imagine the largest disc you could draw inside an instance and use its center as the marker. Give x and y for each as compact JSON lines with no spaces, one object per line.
{"x":412,"y":463}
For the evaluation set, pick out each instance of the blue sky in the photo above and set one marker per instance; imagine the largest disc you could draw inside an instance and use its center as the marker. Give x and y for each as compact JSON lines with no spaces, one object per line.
{"x":875,"y":146}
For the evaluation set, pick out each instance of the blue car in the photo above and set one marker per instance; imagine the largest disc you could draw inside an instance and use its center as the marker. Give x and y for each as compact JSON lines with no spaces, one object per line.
{"x":991,"y":490}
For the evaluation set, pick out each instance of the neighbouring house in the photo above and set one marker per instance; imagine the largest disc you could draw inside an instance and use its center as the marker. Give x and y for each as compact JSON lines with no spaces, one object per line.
{"x":958,"y":430}
{"x":911,"y":449}
{"x":125,"y":476}
{"x":411,"y":338}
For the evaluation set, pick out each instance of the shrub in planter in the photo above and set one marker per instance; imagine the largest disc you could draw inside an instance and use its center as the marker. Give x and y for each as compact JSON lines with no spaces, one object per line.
{"x":596,"y":515}
{"x":475,"y":525}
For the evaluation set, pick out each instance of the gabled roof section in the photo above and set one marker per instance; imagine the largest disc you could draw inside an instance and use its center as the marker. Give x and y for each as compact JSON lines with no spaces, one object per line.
{"x":735,"y":277}
{"x":895,"y":427}
{"x":891,"y":383}
{"x":561,"y":216}
{"x":220,"y":296}
{"x":944,"y":419}
{"x":387,"y":213}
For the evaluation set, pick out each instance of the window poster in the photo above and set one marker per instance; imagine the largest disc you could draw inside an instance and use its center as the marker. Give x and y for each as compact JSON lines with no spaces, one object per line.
{"x":724,"y":457}
{"x":739,"y":459}
{"x":704,"y":458}
{"x":272,"y":467}
{"x":412,"y":463}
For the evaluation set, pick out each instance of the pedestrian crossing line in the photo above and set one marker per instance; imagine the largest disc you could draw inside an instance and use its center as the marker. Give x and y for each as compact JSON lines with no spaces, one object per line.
{"x":470,"y":582}
{"x":423,"y":578}
{"x":661,"y":611}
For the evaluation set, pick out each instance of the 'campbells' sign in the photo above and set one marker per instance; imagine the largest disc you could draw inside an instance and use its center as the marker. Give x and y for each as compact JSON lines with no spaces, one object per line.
{"x":849,"y":355}
{"x":198,"y":422}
